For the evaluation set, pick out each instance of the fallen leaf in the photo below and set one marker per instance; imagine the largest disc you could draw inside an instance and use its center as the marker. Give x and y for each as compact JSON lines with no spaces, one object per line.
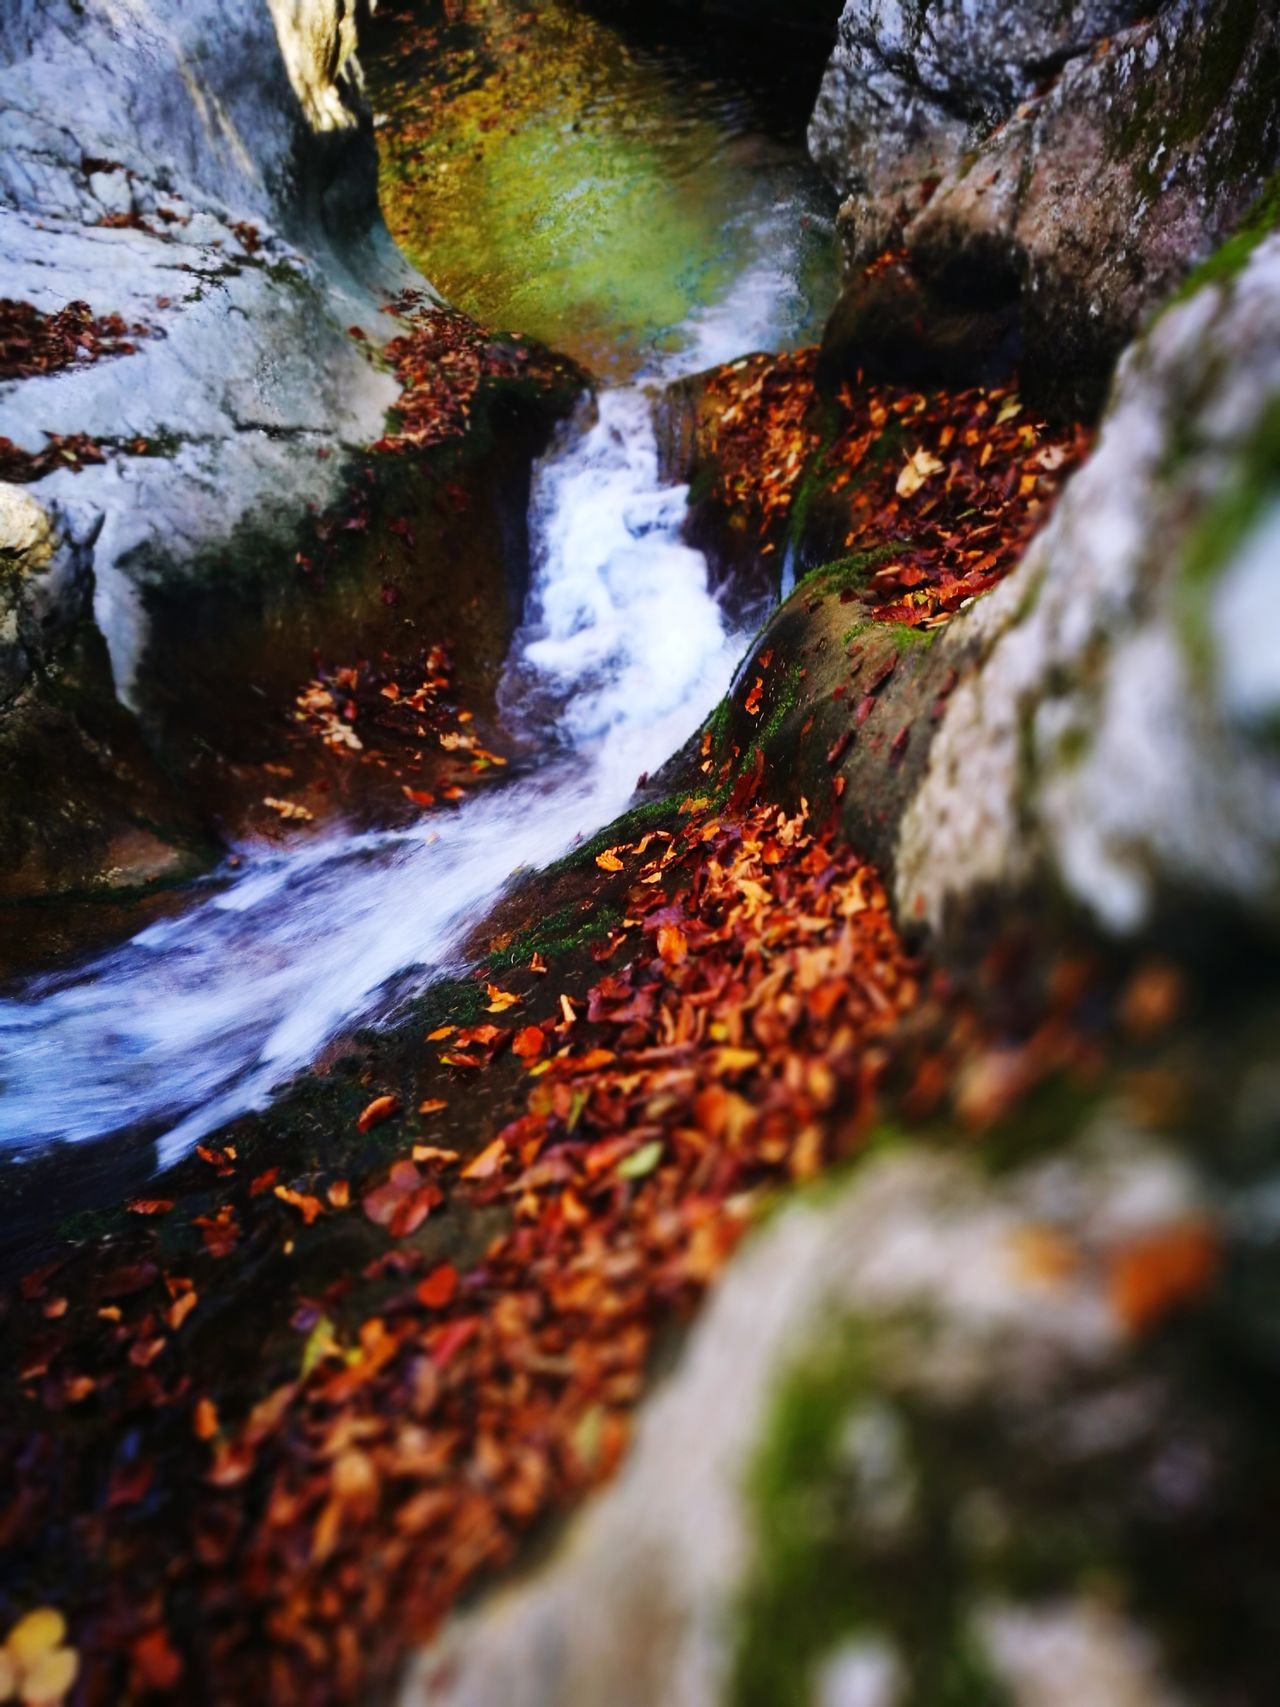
{"x":487,"y":1163}
{"x":642,"y":1161}
{"x":920,"y":466}
{"x":374,"y":1113}
{"x":438,"y":1288}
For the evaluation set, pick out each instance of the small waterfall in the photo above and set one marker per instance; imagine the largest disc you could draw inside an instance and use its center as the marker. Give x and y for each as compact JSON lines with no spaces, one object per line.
{"x":622,"y":652}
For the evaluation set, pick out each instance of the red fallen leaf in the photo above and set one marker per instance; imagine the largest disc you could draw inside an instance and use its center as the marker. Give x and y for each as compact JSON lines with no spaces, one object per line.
{"x":898,"y":746}
{"x":220,"y":1231}
{"x":310,"y":1208}
{"x":839,"y":747}
{"x":374,"y":1113}
{"x":413,"y":1211}
{"x":419,"y":796}
{"x":126,"y":1281}
{"x":381,"y":1203}
{"x":155,"y":1664}
{"x":487,"y":1163}
{"x":404,"y":1177}
{"x":528,"y":1043}
{"x":446,"y":1345}
{"x":765,"y":658}
{"x":129,"y":1484}
{"x":264,"y":1182}
{"x":220,"y":1160}
{"x":32,"y":1285}
{"x":438,"y":1288}
{"x":150,"y":1206}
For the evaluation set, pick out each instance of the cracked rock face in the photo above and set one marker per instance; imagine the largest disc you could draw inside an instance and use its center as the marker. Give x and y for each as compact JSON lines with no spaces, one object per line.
{"x":1066,"y":159}
{"x":204,"y":170}
{"x":1118,"y":738}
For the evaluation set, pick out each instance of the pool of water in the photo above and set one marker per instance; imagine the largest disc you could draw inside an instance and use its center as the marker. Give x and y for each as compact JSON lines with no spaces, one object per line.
{"x":554,"y":176}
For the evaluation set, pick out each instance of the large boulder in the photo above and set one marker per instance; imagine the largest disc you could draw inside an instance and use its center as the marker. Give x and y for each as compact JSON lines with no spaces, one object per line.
{"x":1100,"y":729}
{"x":1060,"y":165}
{"x":941,"y":1436}
{"x":1117,"y":736}
{"x":206,"y":173}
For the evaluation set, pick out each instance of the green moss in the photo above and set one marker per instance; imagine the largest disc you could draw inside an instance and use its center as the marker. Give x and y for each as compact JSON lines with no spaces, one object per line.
{"x":903,"y":638}
{"x":718,"y":726}
{"x":849,"y":573}
{"x":1228,"y":261}
{"x":824,"y":1572}
{"x":1219,"y":533}
{"x":561,"y":932}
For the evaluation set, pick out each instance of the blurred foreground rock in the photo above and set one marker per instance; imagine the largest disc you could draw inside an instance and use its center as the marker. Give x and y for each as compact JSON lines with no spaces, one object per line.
{"x":943,"y":1435}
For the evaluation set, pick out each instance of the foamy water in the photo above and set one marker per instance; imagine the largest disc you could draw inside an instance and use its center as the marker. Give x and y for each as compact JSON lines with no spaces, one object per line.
{"x":622,"y":652}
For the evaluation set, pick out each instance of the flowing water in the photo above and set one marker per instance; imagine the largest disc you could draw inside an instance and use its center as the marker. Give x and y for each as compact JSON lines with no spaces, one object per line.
{"x":622,"y":652}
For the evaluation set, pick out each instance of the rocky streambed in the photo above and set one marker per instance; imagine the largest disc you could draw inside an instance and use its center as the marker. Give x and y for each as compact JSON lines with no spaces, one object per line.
{"x":309,"y":1329}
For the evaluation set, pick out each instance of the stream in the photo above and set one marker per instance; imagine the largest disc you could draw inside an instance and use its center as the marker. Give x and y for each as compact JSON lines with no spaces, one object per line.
{"x":623,"y":649}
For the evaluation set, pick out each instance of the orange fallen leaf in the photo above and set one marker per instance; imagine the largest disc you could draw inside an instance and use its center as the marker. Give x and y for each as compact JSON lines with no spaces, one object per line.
{"x":528,"y":1043}
{"x":499,"y":1000}
{"x":180,"y":1309}
{"x":608,"y":860}
{"x":374,"y":1113}
{"x":673,"y":945}
{"x":432,"y":1154}
{"x":150,"y":1206}
{"x":487,"y":1163}
{"x":1152,"y":1276}
{"x":432,"y":1105}
{"x":310,"y":1208}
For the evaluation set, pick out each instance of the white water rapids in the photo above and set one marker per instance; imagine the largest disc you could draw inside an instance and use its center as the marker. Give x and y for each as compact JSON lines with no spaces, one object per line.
{"x":623,"y":651}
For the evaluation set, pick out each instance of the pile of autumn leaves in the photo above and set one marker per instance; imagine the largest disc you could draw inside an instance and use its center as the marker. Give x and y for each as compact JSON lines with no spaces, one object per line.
{"x":441,"y":362}
{"x":936,"y":494}
{"x":34,"y":343}
{"x":732,"y":1041}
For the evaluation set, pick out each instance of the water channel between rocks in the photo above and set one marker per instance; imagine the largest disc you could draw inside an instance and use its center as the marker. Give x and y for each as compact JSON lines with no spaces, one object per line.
{"x":551,"y":177}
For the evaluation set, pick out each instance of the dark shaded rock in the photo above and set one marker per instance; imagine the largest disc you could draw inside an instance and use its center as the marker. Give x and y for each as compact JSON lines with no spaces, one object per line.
{"x":892,"y":325}
{"x":1080,"y":173}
